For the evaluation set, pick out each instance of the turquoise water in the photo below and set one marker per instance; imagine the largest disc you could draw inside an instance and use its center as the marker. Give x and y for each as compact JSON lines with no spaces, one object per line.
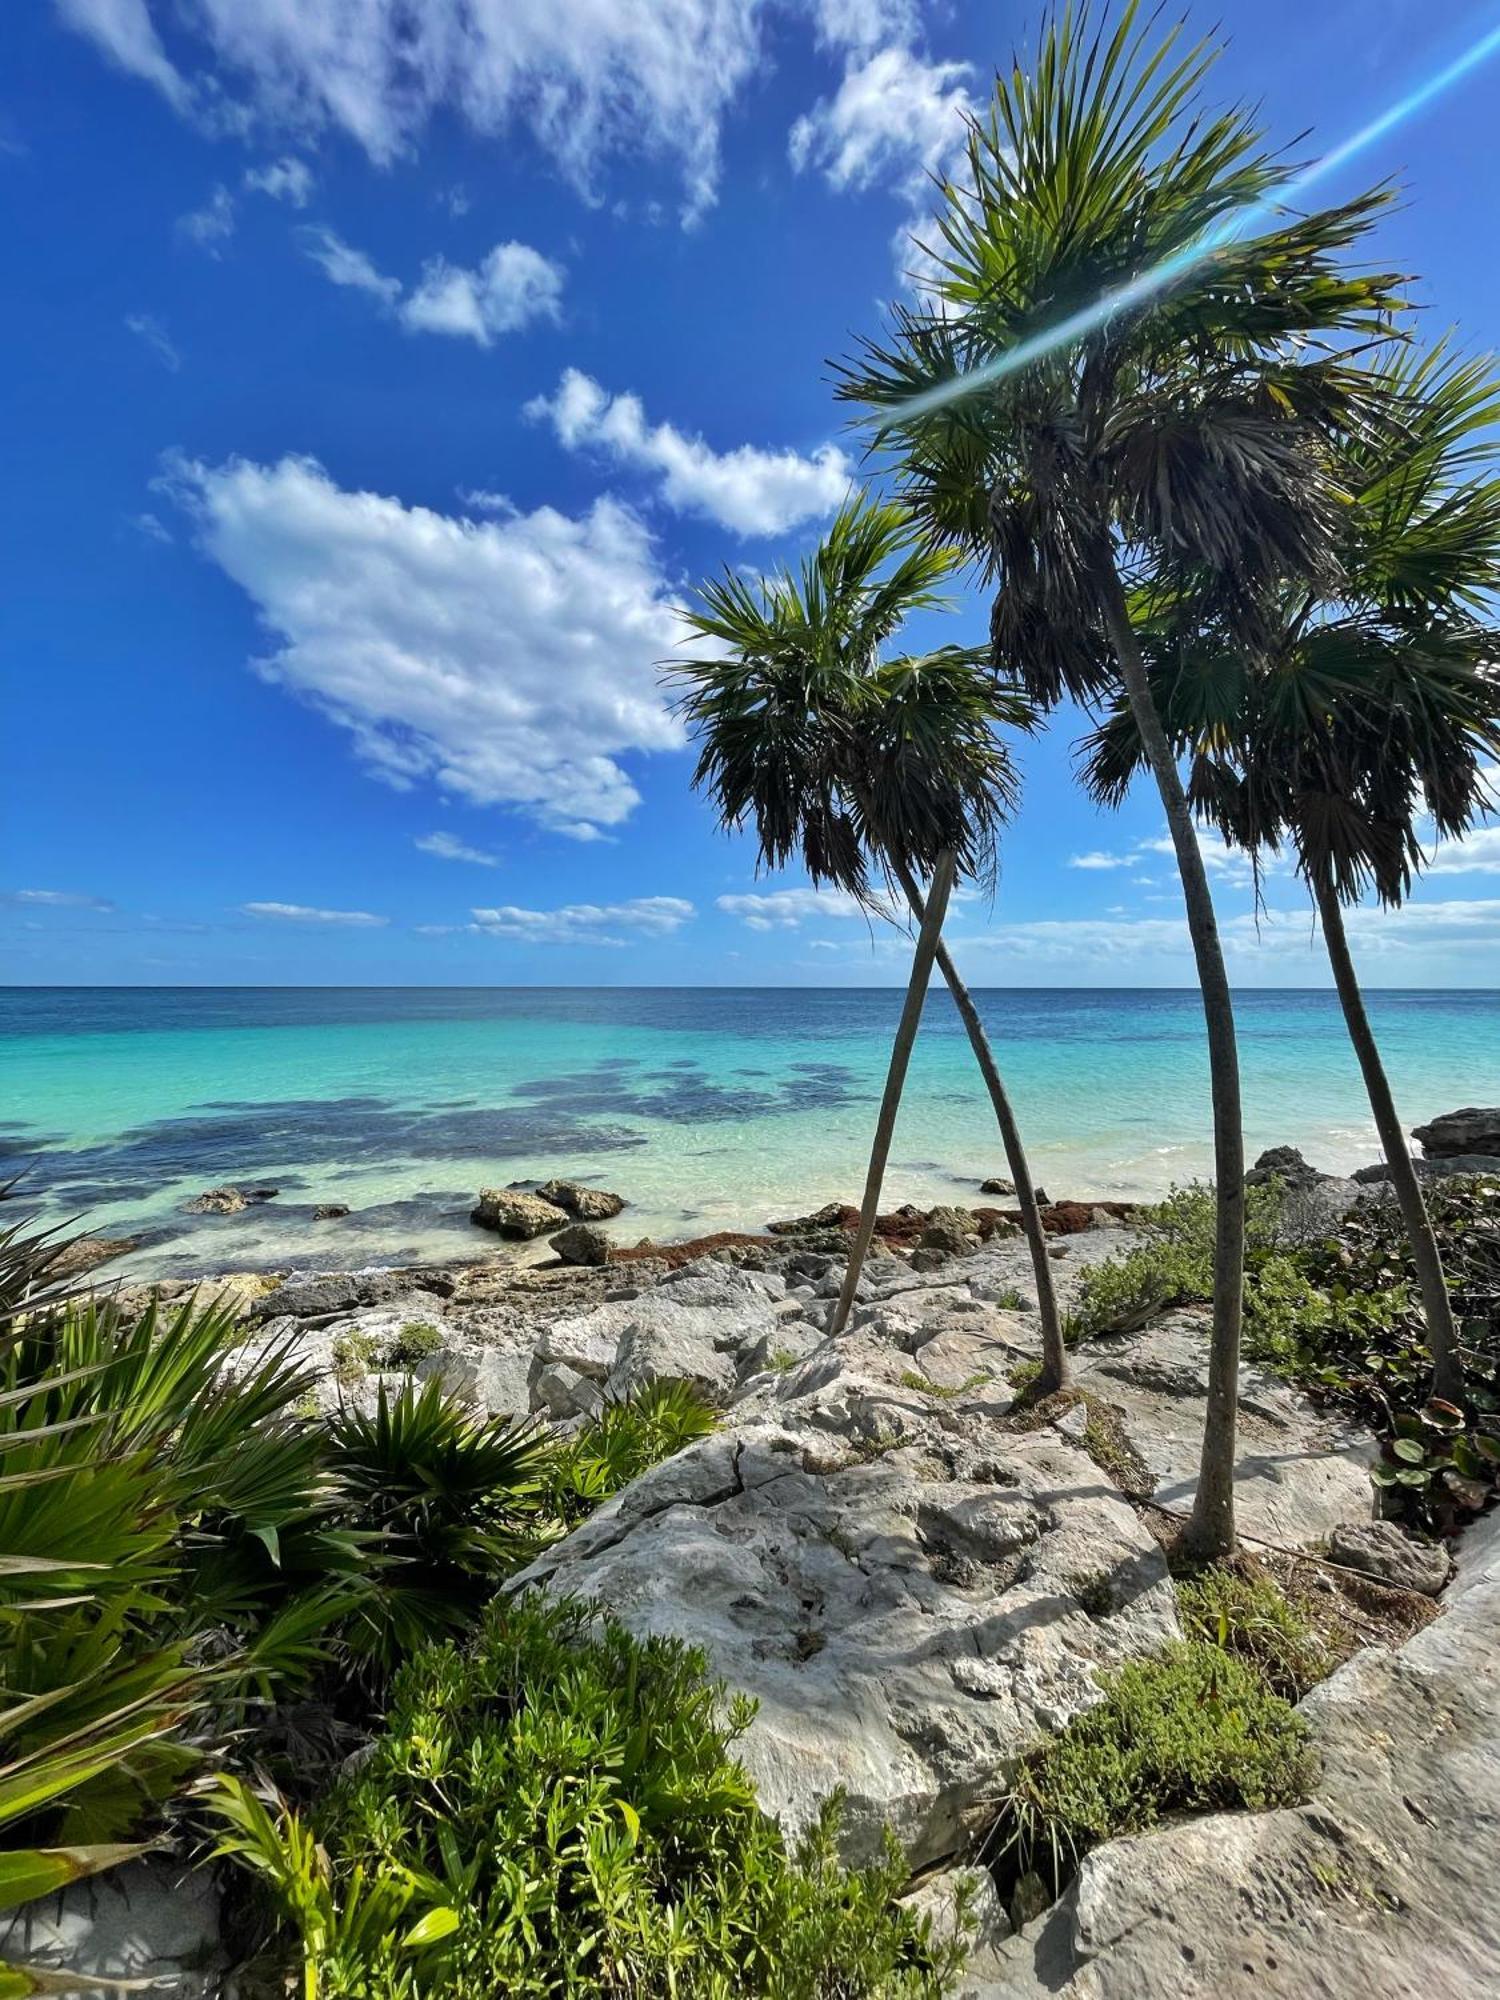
{"x":707,"y":1108}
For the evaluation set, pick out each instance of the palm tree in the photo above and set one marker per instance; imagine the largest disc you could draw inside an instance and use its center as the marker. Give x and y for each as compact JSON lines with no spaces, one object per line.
{"x":868,"y":770}
{"x":1370,"y":699}
{"x":1114,"y":378}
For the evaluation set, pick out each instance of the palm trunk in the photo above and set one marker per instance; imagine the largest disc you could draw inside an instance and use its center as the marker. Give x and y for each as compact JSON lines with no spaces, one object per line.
{"x":1209,"y":1533}
{"x":1437,"y":1306}
{"x":1055,"y":1369}
{"x":906,"y":1035}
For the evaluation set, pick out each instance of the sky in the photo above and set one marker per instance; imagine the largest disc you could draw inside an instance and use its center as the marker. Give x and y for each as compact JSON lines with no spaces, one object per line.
{"x":382,"y":380}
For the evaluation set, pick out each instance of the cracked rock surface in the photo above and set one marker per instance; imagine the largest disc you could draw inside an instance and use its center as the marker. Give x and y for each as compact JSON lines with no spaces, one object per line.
{"x":1383,"y":1885}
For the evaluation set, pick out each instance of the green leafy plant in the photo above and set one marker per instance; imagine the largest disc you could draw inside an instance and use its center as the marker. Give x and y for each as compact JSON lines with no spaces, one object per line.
{"x":556,"y":1811}
{"x":1192,"y":1729}
{"x":627,"y":1437}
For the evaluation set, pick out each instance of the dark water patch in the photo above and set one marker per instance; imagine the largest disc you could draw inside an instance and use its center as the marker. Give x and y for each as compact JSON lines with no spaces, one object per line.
{"x":686,"y":1096}
{"x":235,"y":1142}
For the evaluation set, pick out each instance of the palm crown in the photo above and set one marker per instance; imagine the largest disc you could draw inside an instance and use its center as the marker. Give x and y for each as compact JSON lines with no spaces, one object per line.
{"x":832,"y":752}
{"x":1372,"y":697}
{"x":1103,"y":369}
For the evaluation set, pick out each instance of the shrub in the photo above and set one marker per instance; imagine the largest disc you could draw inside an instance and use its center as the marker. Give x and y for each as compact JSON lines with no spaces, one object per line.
{"x":1192,"y":1729}
{"x":1244,"y":1612}
{"x":556,"y":1811}
{"x":1174,"y":1266}
{"x":417,"y":1339}
{"x":627,"y":1437}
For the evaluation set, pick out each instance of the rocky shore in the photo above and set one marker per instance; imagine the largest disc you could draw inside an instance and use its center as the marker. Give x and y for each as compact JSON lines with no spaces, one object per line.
{"x":916,"y":1572}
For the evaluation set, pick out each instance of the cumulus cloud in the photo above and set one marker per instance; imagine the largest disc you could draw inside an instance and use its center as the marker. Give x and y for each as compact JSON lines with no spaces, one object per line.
{"x":1098,"y":858}
{"x":448,"y":848}
{"x":1477,"y":854}
{"x":509,"y":289}
{"x":895,"y":121}
{"x":588,"y":923}
{"x":148,"y":328}
{"x":511,"y":662}
{"x":287,"y":179}
{"x":747,"y":490}
{"x":786,"y":909}
{"x":300,"y":913}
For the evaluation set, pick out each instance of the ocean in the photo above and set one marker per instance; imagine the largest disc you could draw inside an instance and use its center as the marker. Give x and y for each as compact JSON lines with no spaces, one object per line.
{"x":707,"y":1108}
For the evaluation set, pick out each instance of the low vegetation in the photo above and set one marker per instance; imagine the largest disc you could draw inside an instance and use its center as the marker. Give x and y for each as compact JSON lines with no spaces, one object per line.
{"x":557,"y":1810}
{"x":1341,"y":1316}
{"x":202,"y":1584}
{"x":1197,"y":1728}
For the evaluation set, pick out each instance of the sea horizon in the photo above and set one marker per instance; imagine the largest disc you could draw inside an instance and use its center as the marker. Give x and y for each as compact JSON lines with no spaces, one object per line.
{"x":706,"y":1107}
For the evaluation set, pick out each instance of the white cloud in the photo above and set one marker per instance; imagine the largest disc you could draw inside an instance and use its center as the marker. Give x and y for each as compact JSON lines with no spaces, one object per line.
{"x":587,"y":78}
{"x":896,"y":120}
{"x":287,"y":179}
{"x":124,"y":30}
{"x":1477,"y":854}
{"x":448,"y":848}
{"x":749,"y":491}
{"x":152,"y":526}
{"x":510,"y":661}
{"x":864,"y":24}
{"x":57,"y":899}
{"x":786,"y":909}
{"x":1099,"y":859}
{"x":212,"y":224}
{"x":588,"y":923}
{"x":300,"y":913}
{"x":345,"y":265}
{"x":147,"y":327}
{"x":511,"y":287}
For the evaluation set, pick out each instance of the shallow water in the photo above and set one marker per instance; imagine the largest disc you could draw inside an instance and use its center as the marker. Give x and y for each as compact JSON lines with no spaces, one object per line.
{"x":708,"y":1108}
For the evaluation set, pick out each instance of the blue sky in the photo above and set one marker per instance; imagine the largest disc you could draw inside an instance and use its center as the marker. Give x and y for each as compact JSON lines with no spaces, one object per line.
{"x":374,"y":402}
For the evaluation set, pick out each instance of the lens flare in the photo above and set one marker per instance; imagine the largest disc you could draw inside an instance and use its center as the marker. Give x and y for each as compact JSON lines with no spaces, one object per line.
{"x":1227,"y":230}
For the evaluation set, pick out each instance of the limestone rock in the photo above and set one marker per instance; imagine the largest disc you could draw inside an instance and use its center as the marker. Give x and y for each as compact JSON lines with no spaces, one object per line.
{"x":581,"y":1243}
{"x":1286,"y":1164}
{"x":587,"y":1203}
{"x":1474,"y":1131}
{"x":562,"y":1392}
{"x":1299,"y":1472}
{"x":1384,"y":1550}
{"x":997,"y":1185}
{"x":330,"y":1211}
{"x":150,"y":1921}
{"x":941,"y":1898}
{"x":896,"y":1582}
{"x":513,"y":1212}
{"x":951,"y":1229}
{"x":1384,"y":1884}
{"x":327,"y":1298}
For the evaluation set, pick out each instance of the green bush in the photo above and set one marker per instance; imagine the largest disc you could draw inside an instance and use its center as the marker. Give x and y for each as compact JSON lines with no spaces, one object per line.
{"x":1175,"y":1264}
{"x":1247,"y":1614}
{"x":417,"y":1339}
{"x":556,"y":1811}
{"x":1192,"y":1729}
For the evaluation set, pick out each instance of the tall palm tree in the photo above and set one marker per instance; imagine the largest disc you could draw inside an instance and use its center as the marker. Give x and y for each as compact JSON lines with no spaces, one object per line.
{"x":870,"y":770}
{"x":1370,"y":700}
{"x":1116,"y":376}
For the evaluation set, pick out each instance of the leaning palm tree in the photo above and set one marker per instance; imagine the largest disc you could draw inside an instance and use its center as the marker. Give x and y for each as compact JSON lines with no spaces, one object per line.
{"x":1369,"y":702}
{"x":1120,"y":373}
{"x":871,"y":771}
